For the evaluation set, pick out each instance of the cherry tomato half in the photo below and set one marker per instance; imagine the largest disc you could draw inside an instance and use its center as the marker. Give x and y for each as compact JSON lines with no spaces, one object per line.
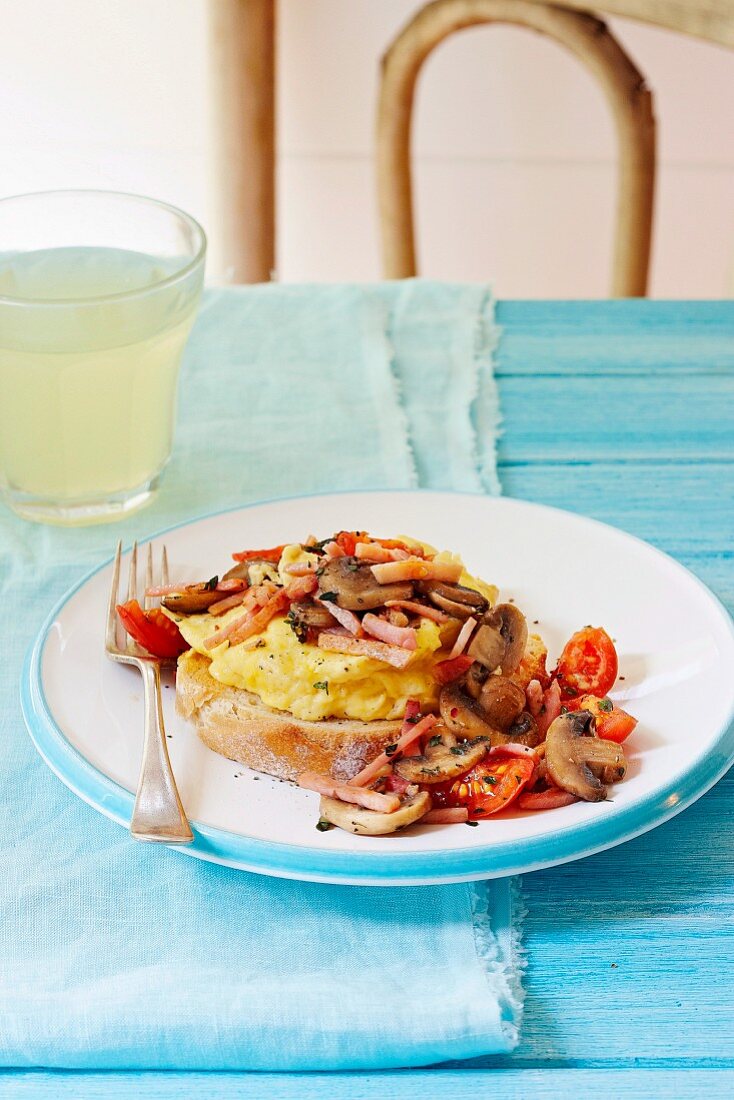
{"x":273,"y":554}
{"x":588,"y":664}
{"x":152,"y":630}
{"x":489,"y":787}
{"x":612,"y":723}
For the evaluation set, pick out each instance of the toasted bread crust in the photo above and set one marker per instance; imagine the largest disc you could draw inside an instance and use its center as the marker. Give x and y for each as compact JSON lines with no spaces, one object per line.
{"x":238,"y":725}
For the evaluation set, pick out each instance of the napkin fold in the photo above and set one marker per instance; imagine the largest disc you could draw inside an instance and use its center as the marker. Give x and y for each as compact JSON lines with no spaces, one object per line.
{"x":120,"y":955}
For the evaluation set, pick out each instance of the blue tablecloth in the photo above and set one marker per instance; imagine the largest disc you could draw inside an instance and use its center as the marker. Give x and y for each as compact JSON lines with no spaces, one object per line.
{"x":623,"y":411}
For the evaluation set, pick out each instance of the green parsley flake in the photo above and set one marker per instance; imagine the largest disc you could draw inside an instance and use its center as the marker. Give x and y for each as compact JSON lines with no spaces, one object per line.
{"x":322,"y":685}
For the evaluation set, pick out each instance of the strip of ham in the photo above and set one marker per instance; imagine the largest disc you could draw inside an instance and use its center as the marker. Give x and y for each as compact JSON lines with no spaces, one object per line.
{"x":333,"y":550}
{"x":417,"y":569}
{"x":364,"y":647}
{"x":302,"y":586}
{"x":552,"y":799}
{"x":420,"y":609}
{"x":463,"y":638}
{"x":550,"y":709}
{"x":446,"y":815}
{"x":372,"y":551}
{"x":232,"y":584}
{"x":345,"y":618}
{"x":253,"y":622}
{"x":513,"y":748}
{"x":534,"y":696}
{"x":226,"y":604}
{"x":347,"y":792}
{"x":411,"y":735}
{"x":301,"y":568}
{"x":403,"y":636}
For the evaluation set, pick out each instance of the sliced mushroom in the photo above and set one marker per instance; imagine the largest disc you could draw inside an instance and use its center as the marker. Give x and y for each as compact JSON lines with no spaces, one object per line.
{"x":354,"y":587}
{"x":445,"y":758}
{"x":306,"y":613}
{"x":507,"y":721}
{"x":455,"y":599}
{"x":500,"y":640}
{"x":577,"y":760}
{"x":606,"y":760}
{"x":463,"y":716}
{"x":193,"y":599}
{"x":370,"y":822}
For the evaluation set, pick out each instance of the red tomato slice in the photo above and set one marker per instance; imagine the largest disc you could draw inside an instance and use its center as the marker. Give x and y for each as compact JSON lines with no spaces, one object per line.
{"x":550,"y":799}
{"x":612,"y":723}
{"x":152,"y":630}
{"x":588,"y":664}
{"x":446,"y":671}
{"x":273,"y":554}
{"x":347,"y":541}
{"x":489,"y":788}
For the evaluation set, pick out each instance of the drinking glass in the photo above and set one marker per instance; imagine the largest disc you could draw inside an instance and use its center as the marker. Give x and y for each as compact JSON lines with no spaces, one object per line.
{"x":98,"y":293}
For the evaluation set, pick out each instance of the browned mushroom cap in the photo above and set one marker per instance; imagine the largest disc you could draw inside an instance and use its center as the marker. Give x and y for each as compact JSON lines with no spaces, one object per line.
{"x":502,"y":701}
{"x":193,"y":599}
{"x":573,"y":755}
{"x":351,"y":584}
{"x":455,"y":599}
{"x":500,"y":640}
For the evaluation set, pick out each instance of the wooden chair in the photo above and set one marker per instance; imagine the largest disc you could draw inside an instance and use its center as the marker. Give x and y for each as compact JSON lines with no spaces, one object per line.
{"x":588,"y":38}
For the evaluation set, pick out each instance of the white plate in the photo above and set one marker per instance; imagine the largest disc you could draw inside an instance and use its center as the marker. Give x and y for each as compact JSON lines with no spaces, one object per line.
{"x":676,"y":648}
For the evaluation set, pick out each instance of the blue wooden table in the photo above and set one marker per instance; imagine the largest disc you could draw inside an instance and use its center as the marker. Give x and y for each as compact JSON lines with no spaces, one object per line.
{"x":623,"y":411}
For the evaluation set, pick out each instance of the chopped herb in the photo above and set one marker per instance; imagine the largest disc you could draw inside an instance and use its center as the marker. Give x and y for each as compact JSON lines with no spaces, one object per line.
{"x":435,"y":740}
{"x":390,"y":750}
{"x":491,"y":779}
{"x":414,"y":720}
{"x":328,"y":597}
{"x":323,"y":826}
{"x":298,"y":627}
{"x":472,"y":823}
{"x":606,"y":705}
{"x":564,"y":710}
{"x":322,"y":685}
{"x":431,"y":771}
{"x":458,"y":750}
{"x":353,"y":565}
{"x":211,"y":584}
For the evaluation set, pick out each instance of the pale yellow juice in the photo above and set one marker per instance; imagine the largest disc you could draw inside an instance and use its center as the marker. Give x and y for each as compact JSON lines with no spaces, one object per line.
{"x":88,"y":388}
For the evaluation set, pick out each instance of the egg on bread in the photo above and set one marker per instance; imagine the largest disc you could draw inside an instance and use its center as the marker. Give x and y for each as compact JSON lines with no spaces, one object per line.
{"x":279,"y":701}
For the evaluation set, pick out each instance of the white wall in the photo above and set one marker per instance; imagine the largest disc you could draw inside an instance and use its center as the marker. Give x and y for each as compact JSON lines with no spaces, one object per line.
{"x":514,"y":146}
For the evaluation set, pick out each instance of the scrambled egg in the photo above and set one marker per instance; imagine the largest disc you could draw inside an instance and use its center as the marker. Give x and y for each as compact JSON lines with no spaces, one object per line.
{"x":312,"y":683}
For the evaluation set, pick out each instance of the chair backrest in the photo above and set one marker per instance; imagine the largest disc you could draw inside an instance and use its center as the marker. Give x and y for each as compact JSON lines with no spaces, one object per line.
{"x":591,"y":42}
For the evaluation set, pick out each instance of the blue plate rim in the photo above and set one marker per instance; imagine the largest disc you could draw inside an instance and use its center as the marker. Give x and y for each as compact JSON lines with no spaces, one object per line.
{"x":493,"y":860}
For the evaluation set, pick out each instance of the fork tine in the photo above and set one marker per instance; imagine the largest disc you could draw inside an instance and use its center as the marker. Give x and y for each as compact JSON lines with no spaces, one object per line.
{"x":132,"y":577}
{"x":148,"y":575}
{"x":111,"y":631}
{"x":164,"y":566}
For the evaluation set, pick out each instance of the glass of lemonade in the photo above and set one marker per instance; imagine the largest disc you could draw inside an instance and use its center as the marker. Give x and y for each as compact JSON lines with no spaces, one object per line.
{"x":98,"y":293}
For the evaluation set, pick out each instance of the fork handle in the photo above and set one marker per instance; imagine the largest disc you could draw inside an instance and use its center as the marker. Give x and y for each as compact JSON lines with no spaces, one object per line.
{"x":158,"y":813}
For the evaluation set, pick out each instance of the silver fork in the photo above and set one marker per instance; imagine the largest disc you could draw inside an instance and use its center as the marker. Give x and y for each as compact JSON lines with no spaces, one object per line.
{"x":158,"y":813}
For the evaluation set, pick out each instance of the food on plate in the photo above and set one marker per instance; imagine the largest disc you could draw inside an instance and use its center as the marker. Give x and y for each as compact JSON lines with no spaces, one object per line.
{"x":383,"y":676}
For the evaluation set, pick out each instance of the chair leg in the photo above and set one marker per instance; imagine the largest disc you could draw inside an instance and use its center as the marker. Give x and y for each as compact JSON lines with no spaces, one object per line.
{"x":592,"y":43}
{"x":242,"y":64}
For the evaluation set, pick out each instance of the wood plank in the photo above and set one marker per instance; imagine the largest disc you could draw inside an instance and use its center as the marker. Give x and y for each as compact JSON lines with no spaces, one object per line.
{"x":460,"y":1084}
{"x":617,"y":338}
{"x":618,"y":418}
